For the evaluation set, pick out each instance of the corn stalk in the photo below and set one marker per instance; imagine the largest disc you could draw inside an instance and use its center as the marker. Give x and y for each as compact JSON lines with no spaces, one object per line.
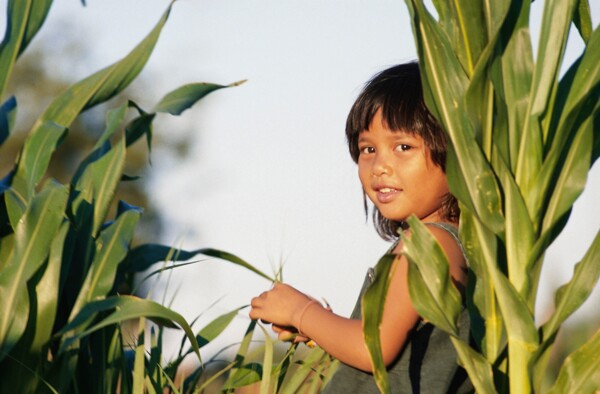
{"x":522,"y":140}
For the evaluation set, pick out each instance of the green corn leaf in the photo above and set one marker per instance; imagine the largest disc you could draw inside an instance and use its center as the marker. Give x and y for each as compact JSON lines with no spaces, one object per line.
{"x":186,"y":96}
{"x":213,"y":329}
{"x":582,"y":92}
{"x":237,"y":376}
{"x":372,"y":313}
{"x":26,"y":17}
{"x":155,"y":358}
{"x":430,"y":285}
{"x":583,"y":19}
{"x":142,"y":257}
{"x":115,"y":363}
{"x":481,"y":248}
{"x":233,"y":259}
{"x":519,"y":229}
{"x":111,"y":248}
{"x":556,"y":22}
{"x":479,"y":98}
{"x":281,"y":370}
{"x":267,"y":364}
{"x":306,"y":367}
{"x":125,"y":308}
{"x":570,"y":296}
{"x":142,"y":125}
{"x":444,"y":87}
{"x":580,"y":372}
{"x":216,"y":327}
{"x":8,"y":113}
{"x":6,"y":247}
{"x":98,"y":183}
{"x":154,"y":273}
{"x":139,"y":372}
{"x":463,"y":23}
{"x":522,"y":335}
{"x":104,"y":177}
{"x":104,"y":84}
{"x":316,"y":382}
{"x":511,"y":75}
{"x":245,"y":375}
{"x":47,"y":291}
{"x":36,"y":18}
{"x":33,"y":162}
{"x":572,"y":179}
{"x":33,"y":236}
{"x":93,"y":90}
{"x":114,"y":118}
{"x":478,"y":368}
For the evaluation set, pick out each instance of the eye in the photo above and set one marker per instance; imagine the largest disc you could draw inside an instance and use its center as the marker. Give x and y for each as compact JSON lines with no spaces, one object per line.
{"x":366,"y":150}
{"x":403,"y":147}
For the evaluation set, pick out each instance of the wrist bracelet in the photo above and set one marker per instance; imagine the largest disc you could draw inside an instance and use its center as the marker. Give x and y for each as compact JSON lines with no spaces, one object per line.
{"x":304,"y":309}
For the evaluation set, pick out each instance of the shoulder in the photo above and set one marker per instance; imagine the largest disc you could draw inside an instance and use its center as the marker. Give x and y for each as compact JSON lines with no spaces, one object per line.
{"x":447,"y":236}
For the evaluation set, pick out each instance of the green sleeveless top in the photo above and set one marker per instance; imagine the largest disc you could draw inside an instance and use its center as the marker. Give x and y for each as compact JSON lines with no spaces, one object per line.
{"x":426,"y":364}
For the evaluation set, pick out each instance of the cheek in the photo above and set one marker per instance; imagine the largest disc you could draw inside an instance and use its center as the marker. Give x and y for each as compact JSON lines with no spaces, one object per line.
{"x":363,"y":175}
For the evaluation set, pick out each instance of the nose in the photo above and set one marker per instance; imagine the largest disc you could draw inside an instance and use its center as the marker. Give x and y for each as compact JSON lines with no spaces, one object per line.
{"x":381,"y":166}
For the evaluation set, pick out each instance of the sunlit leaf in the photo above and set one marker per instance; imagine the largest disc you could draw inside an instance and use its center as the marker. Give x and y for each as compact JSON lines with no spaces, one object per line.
{"x":580,"y":372}
{"x":233,"y":259}
{"x":481,"y":247}
{"x":47,"y":291}
{"x":432,"y":292}
{"x":583,"y":19}
{"x":238,"y":377}
{"x":267,"y":364}
{"x":478,"y":368}
{"x":444,"y":86}
{"x":213,"y":329}
{"x":582,"y":94}
{"x":33,"y":236}
{"x":519,"y":229}
{"x":25,"y":17}
{"x":186,"y":96}
{"x":33,"y":162}
{"x":112,"y":247}
{"x":372,"y":314}
{"x":125,"y":308}
{"x":571,"y":296}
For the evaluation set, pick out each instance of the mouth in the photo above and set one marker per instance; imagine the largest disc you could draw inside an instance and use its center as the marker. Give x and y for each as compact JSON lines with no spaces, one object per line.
{"x":386,"y":194}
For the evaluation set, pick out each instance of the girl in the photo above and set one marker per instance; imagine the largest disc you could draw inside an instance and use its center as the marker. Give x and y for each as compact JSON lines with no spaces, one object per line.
{"x":400,"y":150}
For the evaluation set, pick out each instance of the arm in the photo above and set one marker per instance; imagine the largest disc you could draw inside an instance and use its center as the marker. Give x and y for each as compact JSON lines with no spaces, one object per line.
{"x":341,"y":337}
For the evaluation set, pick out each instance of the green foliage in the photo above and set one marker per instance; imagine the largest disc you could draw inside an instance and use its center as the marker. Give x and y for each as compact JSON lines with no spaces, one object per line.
{"x":522,"y":142}
{"x":63,"y":255}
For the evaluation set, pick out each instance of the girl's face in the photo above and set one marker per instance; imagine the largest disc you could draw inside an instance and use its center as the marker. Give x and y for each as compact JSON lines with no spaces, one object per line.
{"x":398,"y":175}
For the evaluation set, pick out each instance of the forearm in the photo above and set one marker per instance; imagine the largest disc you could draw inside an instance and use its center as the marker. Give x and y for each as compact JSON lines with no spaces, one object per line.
{"x":341,"y":337}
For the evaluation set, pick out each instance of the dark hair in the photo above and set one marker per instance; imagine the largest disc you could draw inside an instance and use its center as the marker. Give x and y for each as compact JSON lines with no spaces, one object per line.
{"x":398,"y":93}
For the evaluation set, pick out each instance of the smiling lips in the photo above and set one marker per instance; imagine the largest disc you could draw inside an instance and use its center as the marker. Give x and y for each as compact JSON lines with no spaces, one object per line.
{"x":386,"y":194}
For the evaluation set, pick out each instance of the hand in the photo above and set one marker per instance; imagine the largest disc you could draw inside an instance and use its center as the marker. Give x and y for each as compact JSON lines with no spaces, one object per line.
{"x":280,"y":306}
{"x":288,"y":334}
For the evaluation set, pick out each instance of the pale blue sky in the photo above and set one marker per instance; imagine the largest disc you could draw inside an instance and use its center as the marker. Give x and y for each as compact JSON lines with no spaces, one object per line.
{"x":268,"y":176}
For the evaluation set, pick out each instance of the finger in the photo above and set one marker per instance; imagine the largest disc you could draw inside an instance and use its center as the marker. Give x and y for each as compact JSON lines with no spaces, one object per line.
{"x":253,"y":314}
{"x":300,"y":338}
{"x":286,"y":335}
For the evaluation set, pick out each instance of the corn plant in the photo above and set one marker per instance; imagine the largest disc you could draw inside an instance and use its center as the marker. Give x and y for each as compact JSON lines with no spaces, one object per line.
{"x":63,"y":253}
{"x":522,"y":142}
